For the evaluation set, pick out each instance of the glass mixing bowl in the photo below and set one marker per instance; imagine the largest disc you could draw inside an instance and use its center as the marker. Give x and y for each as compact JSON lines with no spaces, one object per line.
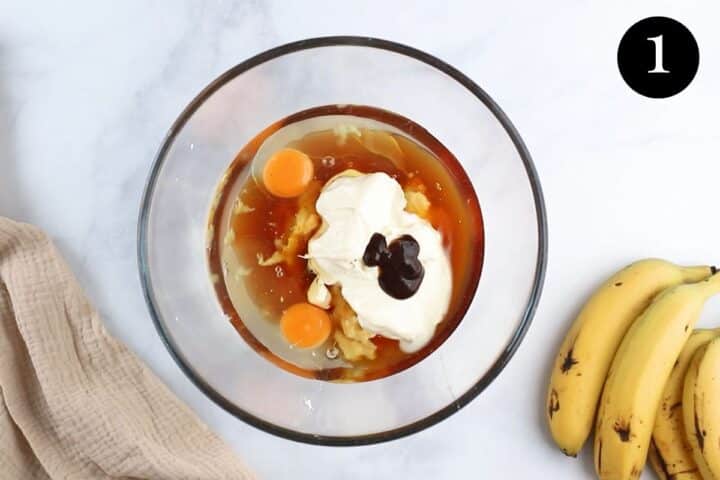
{"x":268,"y":87}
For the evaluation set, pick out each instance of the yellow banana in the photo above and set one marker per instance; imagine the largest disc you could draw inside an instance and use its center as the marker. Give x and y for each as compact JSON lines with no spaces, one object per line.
{"x":673,"y":450}
{"x":585,"y":355}
{"x":633,"y":389}
{"x":701,"y":409}
{"x":688,"y":410}
{"x":661,"y":468}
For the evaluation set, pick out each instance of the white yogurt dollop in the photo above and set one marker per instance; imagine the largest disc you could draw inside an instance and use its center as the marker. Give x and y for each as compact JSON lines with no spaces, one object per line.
{"x":353,"y":208}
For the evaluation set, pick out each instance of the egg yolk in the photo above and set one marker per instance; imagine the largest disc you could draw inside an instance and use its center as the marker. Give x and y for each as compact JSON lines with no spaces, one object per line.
{"x":287,"y":173}
{"x":305,"y":326}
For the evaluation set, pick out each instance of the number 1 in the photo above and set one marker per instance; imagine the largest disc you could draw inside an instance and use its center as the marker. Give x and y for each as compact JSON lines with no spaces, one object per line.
{"x":658,"y":41}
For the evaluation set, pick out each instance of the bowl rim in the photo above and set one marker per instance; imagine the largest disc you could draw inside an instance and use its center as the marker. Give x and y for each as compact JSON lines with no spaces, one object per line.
{"x":505,"y":355}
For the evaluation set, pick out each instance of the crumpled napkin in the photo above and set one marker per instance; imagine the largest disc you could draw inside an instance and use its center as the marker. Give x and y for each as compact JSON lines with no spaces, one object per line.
{"x":74,"y":402}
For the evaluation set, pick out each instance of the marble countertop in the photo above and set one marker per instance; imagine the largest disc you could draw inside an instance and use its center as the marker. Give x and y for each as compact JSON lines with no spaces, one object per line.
{"x":89,"y":88}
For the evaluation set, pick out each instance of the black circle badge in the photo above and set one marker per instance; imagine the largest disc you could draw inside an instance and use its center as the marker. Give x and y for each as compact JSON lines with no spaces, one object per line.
{"x":658,"y":57}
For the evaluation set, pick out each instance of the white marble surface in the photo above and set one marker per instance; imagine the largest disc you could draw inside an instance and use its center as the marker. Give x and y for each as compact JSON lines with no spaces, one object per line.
{"x":88,"y":89}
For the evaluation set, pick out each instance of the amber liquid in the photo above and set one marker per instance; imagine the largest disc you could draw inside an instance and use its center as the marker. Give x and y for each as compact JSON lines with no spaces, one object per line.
{"x":454,"y":212}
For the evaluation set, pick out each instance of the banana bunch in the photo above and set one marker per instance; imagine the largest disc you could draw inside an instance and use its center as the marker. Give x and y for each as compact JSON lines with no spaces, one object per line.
{"x":624,"y":366}
{"x":672,"y":450}
{"x":701,"y":409}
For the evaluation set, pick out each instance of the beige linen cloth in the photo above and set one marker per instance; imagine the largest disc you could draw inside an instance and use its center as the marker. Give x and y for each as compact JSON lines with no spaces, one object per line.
{"x":74,"y":402}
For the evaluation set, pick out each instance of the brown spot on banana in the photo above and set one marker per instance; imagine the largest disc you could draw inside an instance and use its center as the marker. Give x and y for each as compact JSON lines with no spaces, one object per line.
{"x":674,"y":407}
{"x":553,"y":404}
{"x":698,"y":435}
{"x":623,"y":430}
{"x":618,"y":284}
{"x":568,"y":361}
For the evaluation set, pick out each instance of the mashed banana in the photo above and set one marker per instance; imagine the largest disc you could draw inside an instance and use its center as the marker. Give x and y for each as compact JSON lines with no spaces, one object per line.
{"x":352,"y":340}
{"x":417,"y":202}
{"x":306,"y":221}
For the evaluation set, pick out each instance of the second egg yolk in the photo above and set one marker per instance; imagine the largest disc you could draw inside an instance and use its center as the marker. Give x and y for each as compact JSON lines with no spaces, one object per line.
{"x":287,"y":173}
{"x":305,"y":326}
